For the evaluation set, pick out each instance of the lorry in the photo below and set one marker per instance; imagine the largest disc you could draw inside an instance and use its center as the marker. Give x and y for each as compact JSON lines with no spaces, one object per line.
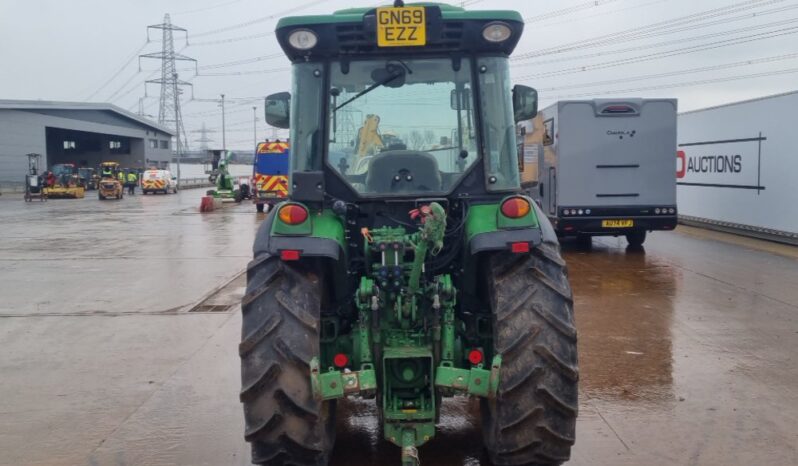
{"x":604,"y":166}
{"x":270,"y":174}
{"x":427,"y":275}
{"x":737,"y":165}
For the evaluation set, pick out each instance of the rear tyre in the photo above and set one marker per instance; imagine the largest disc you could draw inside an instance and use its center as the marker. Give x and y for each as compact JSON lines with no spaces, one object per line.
{"x":636,"y":238}
{"x":285,"y":424}
{"x":533,"y":418}
{"x":584,"y":241}
{"x":259,"y":207}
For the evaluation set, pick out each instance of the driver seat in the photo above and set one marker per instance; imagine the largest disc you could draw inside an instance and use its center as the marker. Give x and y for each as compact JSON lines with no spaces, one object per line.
{"x":396,"y":171}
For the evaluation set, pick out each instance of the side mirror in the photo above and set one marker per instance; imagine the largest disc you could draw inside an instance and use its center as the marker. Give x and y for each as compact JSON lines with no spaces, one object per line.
{"x":525,"y":102}
{"x":277,"y":110}
{"x":460,"y":100}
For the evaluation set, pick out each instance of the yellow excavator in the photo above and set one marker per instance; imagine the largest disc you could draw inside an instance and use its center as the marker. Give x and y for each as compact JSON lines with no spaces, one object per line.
{"x":368,"y":143}
{"x":64,"y":183}
{"x":368,"y":137}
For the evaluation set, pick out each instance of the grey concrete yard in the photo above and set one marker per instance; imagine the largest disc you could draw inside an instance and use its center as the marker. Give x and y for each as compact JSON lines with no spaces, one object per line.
{"x":687,"y":349}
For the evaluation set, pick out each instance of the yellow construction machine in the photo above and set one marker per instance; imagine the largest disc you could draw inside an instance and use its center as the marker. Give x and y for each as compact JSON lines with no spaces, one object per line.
{"x":64,"y":184}
{"x":109,"y":185}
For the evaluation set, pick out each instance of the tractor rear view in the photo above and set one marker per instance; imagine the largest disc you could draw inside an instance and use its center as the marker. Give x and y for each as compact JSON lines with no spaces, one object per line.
{"x":407,"y":266}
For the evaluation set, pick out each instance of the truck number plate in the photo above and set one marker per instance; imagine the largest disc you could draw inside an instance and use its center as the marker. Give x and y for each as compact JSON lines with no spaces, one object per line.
{"x":401,"y":27}
{"x":617,"y":223}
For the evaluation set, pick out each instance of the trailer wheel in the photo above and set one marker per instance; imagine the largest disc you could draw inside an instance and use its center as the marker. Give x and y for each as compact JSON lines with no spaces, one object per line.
{"x":284,"y":423}
{"x":636,"y":238}
{"x":532,"y":420}
{"x":584,"y":241}
{"x":259,"y":208}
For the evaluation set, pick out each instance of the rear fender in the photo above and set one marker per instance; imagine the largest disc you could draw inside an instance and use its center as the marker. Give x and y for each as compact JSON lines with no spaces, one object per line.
{"x":322,"y":247}
{"x":488,"y":230}
{"x":324,"y":238}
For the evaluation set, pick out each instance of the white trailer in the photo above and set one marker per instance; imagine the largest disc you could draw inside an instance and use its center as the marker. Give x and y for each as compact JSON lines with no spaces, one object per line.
{"x":604,"y":166}
{"x":737,"y":167}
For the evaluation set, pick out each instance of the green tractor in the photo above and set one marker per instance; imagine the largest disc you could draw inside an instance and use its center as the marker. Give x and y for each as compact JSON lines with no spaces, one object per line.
{"x":411,"y":268}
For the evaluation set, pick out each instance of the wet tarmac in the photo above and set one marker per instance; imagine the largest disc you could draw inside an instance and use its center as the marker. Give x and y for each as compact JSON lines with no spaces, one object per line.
{"x":116,"y":350}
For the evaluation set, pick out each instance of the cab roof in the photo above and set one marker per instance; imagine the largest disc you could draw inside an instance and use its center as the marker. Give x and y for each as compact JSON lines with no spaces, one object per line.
{"x":354,"y":15}
{"x":353,"y":33}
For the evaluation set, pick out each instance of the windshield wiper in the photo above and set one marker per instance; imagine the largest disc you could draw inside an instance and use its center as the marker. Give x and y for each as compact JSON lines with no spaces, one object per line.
{"x":400,"y":72}
{"x":369,"y":89}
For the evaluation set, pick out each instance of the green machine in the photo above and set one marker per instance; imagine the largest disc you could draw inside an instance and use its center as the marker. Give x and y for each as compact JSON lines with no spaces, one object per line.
{"x":407,"y":265}
{"x":220,"y":176}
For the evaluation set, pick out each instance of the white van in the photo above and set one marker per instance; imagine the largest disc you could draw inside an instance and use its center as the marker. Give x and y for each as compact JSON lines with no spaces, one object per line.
{"x":158,"y":181}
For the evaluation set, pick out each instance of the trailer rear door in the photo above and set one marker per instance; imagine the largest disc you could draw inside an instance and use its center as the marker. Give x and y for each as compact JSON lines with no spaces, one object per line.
{"x":617,"y":152}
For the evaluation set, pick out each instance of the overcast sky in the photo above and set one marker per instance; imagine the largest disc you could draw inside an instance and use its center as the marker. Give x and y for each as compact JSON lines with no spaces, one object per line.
{"x":704,"y":52}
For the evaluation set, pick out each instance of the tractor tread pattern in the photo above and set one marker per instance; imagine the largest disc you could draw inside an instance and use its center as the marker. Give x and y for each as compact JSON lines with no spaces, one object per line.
{"x":284,"y":423}
{"x":533,"y":418}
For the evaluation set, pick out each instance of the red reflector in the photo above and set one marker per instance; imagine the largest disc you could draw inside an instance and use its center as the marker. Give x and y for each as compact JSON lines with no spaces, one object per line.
{"x":568,"y":228}
{"x":340,"y":360}
{"x":289,"y":255}
{"x":515,"y":207}
{"x":475,"y":356}
{"x":292,"y":214}
{"x":519,"y":247}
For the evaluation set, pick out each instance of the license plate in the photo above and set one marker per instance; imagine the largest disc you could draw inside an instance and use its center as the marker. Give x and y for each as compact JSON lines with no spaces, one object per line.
{"x":401,"y":27}
{"x":617,"y":223}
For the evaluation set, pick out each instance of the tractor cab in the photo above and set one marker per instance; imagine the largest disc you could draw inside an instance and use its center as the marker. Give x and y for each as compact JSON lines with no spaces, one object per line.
{"x":66,"y":174}
{"x":378,"y":112}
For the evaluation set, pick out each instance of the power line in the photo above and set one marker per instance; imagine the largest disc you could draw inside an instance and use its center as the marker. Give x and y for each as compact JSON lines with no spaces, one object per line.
{"x":567,"y":10}
{"x":681,"y":84}
{"x":119,"y":71}
{"x":245,"y":73}
{"x":124,"y":85}
{"x":243,"y":61}
{"x":232,"y":39}
{"x":659,"y":44}
{"x":261,"y":19}
{"x":210,"y":7}
{"x":611,"y":12}
{"x":666,"y":53}
{"x":642,"y":31}
{"x":755,"y":61}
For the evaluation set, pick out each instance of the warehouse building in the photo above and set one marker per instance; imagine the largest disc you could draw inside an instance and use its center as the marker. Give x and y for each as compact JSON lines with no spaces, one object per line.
{"x":81,"y":133}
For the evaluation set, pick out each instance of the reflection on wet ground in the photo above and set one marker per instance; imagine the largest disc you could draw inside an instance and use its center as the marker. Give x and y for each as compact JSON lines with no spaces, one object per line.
{"x":624,"y":310}
{"x":687,"y":348}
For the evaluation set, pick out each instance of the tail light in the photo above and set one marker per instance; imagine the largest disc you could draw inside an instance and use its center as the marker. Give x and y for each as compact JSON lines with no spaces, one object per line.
{"x":292,"y":214}
{"x":340,"y":360}
{"x":475,"y":356}
{"x":515,"y":207}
